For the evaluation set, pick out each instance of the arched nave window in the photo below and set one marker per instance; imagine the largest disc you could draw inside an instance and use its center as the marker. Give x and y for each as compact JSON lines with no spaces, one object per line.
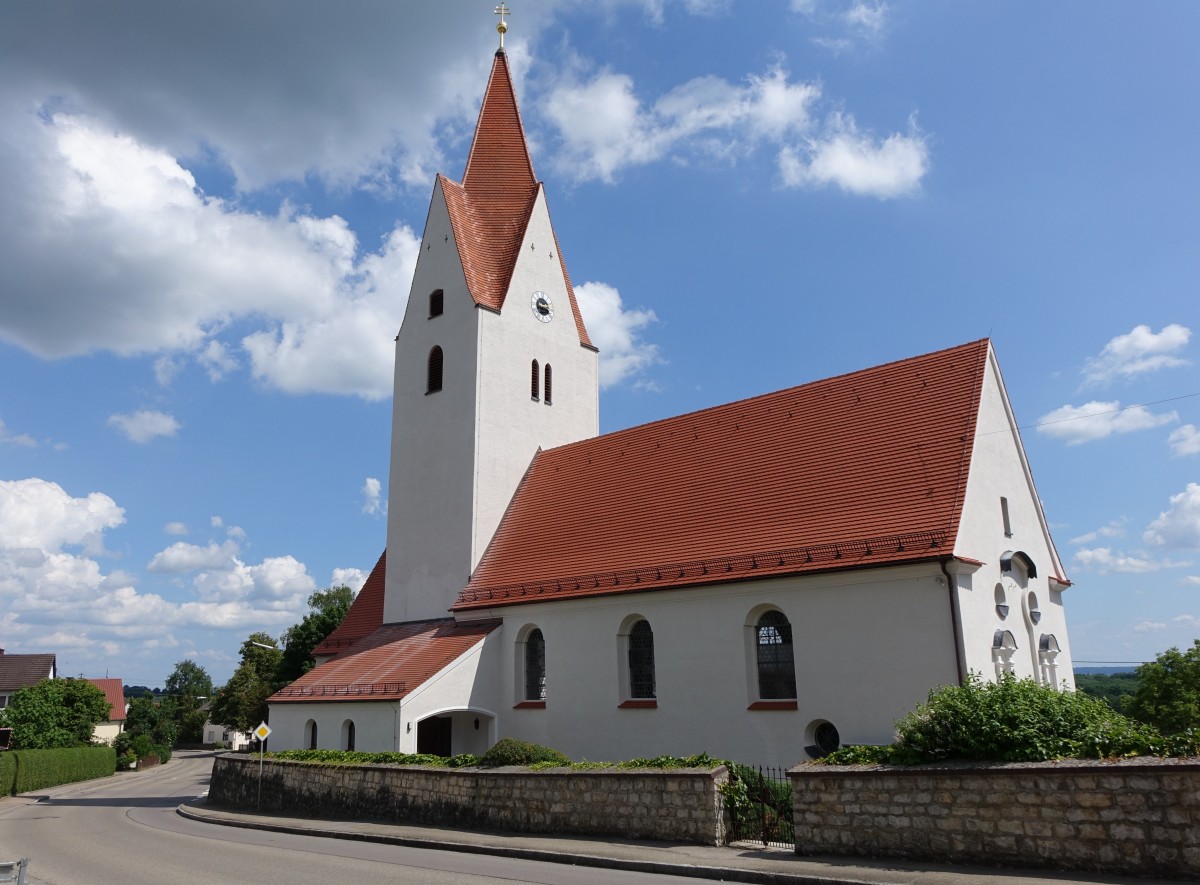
{"x":534,"y":380}
{"x":433,"y":381}
{"x":310,"y":734}
{"x":641,"y":661}
{"x":1004,"y":647}
{"x":775,"y":657}
{"x":348,"y":734}
{"x":535,"y":666}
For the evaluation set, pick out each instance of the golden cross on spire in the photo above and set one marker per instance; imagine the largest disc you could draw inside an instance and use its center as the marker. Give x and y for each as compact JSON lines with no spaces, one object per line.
{"x":502,"y":28}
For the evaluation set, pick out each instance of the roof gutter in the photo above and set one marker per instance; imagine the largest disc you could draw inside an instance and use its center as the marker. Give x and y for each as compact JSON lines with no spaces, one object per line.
{"x":955,"y":619}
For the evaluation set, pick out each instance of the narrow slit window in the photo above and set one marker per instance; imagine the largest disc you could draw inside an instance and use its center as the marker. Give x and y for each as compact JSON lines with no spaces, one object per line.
{"x":534,"y":379}
{"x":546,"y":386}
{"x":776,"y":657}
{"x":1004,"y":516}
{"x":434,"y":377}
{"x":436,"y":303}
{"x":641,"y":661}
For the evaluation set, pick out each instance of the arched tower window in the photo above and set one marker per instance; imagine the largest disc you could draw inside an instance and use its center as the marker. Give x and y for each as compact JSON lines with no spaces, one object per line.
{"x":775,"y":656}
{"x":436,"y":303}
{"x":534,"y":380}
{"x":310,"y":729}
{"x":641,"y":661}
{"x":546,"y":386}
{"x":433,"y":381}
{"x":535,"y":666}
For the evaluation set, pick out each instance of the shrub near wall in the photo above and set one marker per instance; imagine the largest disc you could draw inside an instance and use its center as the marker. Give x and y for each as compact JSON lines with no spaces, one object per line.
{"x":8,"y":773}
{"x":38,"y":769}
{"x":678,"y":804}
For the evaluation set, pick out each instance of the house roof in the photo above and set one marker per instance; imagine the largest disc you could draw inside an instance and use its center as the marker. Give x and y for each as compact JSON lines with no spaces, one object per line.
{"x":490,"y":210}
{"x":389,"y":663}
{"x":21,"y":671}
{"x":365,"y":614}
{"x":114,"y":693}
{"x":859,"y":470}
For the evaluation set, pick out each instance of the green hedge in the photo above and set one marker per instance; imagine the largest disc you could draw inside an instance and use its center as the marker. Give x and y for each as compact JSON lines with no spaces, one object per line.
{"x":38,"y":769}
{"x":8,"y":773}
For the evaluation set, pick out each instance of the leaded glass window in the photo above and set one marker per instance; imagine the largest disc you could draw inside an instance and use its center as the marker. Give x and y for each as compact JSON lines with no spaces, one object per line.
{"x":776,"y":659}
{"x":535,"y":667}
{"x":641,"y":661}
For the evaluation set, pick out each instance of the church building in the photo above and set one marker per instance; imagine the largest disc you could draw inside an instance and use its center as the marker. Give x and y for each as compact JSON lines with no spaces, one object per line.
{"x":762,"y":580}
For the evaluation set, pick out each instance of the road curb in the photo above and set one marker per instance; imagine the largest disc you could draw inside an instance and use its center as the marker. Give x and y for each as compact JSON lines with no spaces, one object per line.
{"x":695,"y":871}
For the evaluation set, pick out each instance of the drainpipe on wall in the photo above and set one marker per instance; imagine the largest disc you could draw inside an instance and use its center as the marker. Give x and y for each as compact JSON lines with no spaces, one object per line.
{"x":955,"y":620}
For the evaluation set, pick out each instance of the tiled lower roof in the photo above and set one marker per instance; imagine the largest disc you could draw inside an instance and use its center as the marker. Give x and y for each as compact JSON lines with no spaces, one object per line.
{"x":863,"y":469}
{"x":114,"y":693}
{"x":363,"y":618}
{"x":389,"y":663}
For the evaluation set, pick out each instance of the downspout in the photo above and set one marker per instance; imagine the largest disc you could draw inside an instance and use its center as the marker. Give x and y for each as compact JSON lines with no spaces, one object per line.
{"x":955,"y":619}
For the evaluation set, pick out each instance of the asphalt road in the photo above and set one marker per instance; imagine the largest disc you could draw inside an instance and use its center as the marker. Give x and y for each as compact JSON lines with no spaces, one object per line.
{"x":124,"y":830}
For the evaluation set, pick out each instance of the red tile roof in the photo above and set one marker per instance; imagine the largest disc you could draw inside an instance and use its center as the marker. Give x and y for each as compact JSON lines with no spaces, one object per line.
{"x":389,"y":663}
{"x":114,"y":693}
{"x":21,"y":671}
{"x":490,"y":210}
{"x":859,"y":470}
{"x":366,"y":613}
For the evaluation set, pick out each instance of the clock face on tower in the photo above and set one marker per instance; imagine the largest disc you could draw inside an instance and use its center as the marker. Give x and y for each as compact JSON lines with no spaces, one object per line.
{"x":542,"y":306}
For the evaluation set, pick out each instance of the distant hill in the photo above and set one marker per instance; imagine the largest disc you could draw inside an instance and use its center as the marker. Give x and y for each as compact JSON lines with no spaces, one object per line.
{"x":1105,"y":671}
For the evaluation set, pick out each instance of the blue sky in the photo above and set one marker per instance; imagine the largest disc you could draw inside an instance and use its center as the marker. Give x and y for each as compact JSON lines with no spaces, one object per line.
{"x":209,"y":219}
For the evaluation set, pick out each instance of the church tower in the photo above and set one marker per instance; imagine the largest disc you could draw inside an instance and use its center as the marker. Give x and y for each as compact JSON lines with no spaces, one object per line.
{"x":493,"y":363}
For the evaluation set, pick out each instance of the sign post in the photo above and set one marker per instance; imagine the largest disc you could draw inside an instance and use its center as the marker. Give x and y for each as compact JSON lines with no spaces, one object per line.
{"x":262,"y":733}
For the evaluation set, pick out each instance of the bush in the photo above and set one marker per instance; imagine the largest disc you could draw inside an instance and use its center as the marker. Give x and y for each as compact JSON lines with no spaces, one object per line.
{"x":354,"y":757}
{"x":8,"y":773}
{"x":509,"y":751}
{"x":1013,"y":720}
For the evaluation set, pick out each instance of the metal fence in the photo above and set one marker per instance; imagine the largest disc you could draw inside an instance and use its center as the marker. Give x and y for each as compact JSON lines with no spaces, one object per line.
{"x":760,"y":806}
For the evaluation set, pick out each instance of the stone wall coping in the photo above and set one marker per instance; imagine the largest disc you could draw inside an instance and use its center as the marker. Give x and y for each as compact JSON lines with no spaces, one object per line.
{"x":1054,"y":766}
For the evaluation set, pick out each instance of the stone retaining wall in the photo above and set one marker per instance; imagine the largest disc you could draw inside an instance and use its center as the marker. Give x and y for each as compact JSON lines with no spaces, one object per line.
{"x":681,"y":805}
{"x":1134,"y":817}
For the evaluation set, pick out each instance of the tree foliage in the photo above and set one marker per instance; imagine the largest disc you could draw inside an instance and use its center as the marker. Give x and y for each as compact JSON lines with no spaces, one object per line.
{"x":189,"y":685}
{"x":242,"y":702}
{"x":1113,"y":688}
{"x":55,"y":713}
{"x":327,"y":608}
{"x":157,"y":719}
{"x":1168,"y":693}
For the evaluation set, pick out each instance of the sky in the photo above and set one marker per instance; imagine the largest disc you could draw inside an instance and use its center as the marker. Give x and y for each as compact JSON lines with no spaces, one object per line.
{"x":209,"y":217}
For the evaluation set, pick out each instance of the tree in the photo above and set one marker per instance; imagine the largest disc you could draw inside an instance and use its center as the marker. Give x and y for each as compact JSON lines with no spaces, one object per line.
{"x":327,"y":609}
{"x":1168,"y":693}
{"x":188,"y":684}
{"x":242,"y":703}
{"x":156,"y":719}
{"x":55,"y":713}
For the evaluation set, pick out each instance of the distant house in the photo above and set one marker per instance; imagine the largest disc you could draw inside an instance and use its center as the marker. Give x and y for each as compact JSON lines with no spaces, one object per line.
{"x":220,"y":734}
{"x":22,"y":671}
{"x":114,"y":692}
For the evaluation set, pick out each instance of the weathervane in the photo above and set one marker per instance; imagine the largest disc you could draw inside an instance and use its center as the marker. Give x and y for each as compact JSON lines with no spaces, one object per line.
{"x":502,"y":28}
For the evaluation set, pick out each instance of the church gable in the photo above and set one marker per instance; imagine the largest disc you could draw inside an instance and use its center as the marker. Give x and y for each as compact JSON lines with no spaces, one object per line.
{"x":861,"y":470}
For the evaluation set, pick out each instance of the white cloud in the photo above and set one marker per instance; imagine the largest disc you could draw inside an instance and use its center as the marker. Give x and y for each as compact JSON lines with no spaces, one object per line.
{"x":616,"y":332}
{"x":1192,"y":579}
{"x":1114,"y":529}
{"x":40,"y":515}
{"x":1137,"y":353}
{"x":354,"y":578}
{"x":216,"y":360}
{"x":1096,"y":420}
{"x":175,"y":528}
{"x":372,"y":493}
{"x":859,"y":163}
{"x":143,"y":426}
{"x":16,"y":439}
{"x":1179,"y":526}
{"x":604,"y":128}
{"x":1185,"y":440}
{"x":1104,"y":560}
{"x":1147,"y":626}
{"x":182,"y":557}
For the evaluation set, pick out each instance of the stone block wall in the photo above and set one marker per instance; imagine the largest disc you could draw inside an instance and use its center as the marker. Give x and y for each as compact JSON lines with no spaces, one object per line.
{"x":682,"y":805}
{"x":1132,"y":817}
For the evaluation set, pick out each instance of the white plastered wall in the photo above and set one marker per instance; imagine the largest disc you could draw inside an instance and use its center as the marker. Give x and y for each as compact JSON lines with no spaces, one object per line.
{"x":1000,"y":469}
{"x":869,"y":646}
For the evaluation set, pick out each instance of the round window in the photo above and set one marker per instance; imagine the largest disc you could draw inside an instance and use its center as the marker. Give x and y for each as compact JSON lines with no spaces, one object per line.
{"x":826,"y":737}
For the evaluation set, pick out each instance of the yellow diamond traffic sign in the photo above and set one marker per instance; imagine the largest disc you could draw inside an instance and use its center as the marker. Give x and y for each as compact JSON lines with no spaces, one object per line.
{"x":263,"y":731}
